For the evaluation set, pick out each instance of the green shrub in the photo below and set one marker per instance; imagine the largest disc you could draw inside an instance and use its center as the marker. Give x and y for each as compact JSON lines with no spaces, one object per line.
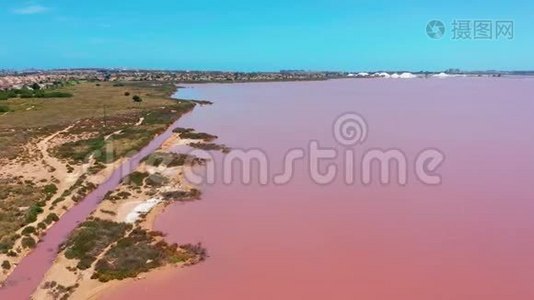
{"x":28,"y":230}
{"x":137,"y":178}
{"x":193,"y":194}
{"x":135,"y":254}
{"x":4,"y":95}
{"x":31,"y":214}
{"x":52,"y":217}
{"x":91,"y":238}
{"x":211,"y":147}
{"x":50,"y":190}
{"x":156,"y":180}
{"x":56,"y":95}
{"x":172,"y":159}
{"x":196,"y":135}
{"x":7,"y":241}
{"x":26,"y":93}
{"x":6,"y":265}
{"x":80,"y":150}
{"x":28,"y":242}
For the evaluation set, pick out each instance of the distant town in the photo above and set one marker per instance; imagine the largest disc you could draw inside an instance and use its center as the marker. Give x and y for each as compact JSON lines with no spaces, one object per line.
{"x":10,"y":79}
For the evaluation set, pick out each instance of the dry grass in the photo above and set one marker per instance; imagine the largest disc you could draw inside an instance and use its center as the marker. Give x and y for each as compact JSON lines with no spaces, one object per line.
{"x":88,"y":101}
{"x":102,"y":104}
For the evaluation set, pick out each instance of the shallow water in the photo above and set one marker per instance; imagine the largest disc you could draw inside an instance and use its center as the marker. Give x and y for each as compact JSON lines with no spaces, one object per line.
{"x":472,"y":237}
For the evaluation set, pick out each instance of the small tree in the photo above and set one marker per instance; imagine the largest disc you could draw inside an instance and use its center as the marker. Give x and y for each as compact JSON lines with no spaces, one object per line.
{"x":6,"y":265}
{"x":27,"y":242}
{"x":36,"y":86}
{"x":137,"y":99}
{"x":28,"y":230}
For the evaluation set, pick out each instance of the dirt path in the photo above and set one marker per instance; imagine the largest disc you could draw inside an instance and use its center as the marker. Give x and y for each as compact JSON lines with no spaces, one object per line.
{"x":59,"y":168}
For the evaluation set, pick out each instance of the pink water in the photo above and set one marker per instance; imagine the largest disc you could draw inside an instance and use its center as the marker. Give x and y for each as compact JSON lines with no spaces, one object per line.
{"x":470,"y":238}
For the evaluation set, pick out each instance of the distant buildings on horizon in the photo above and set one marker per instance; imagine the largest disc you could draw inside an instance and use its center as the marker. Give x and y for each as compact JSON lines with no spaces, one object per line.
{"x":10,"y":79}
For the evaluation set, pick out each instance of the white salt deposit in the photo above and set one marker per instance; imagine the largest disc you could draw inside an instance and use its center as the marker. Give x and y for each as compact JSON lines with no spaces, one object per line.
{"x":141,"y":209}
{"x":407,"y":75}
{"x":441,"y":75}
{"x":384,"y":74}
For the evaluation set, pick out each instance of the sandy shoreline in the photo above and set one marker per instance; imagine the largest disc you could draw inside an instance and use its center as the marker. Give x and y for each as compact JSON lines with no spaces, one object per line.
{"x":63,"y":271}
{"x":45,"y":167}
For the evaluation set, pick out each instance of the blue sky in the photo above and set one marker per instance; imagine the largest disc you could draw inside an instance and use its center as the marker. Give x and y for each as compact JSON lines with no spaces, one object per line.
{"x":259,"y":35}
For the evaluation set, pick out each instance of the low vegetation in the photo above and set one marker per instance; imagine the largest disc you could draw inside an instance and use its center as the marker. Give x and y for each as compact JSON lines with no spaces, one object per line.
{"x":122,"y":252}
{"x":193,"y":194}
{"x":28,"y":242}
{"x":80,"y":151}
{"x":189,"y":133}
{"x":202,"y":102}
{"x":91,"y":238}
{"x":156,"y":180}
{"x":58,"y":291}
{"x":137,"y":253}
{"x":4,"y":95}
{"x":136,"y":178}
{"x":33,"y":93}
{"x":157,"y":159}
{"x":22,"y":202}
{"x":211,"y":147}
{"x":125,"y":140}
{"x":6,"y":265}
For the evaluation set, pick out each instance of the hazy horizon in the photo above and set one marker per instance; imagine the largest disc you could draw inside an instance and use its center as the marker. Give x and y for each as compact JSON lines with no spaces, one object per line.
{"x":261,"y":71}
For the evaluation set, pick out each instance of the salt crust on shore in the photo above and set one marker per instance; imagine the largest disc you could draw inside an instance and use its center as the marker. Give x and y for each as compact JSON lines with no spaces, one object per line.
{"x":141,"y":209}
